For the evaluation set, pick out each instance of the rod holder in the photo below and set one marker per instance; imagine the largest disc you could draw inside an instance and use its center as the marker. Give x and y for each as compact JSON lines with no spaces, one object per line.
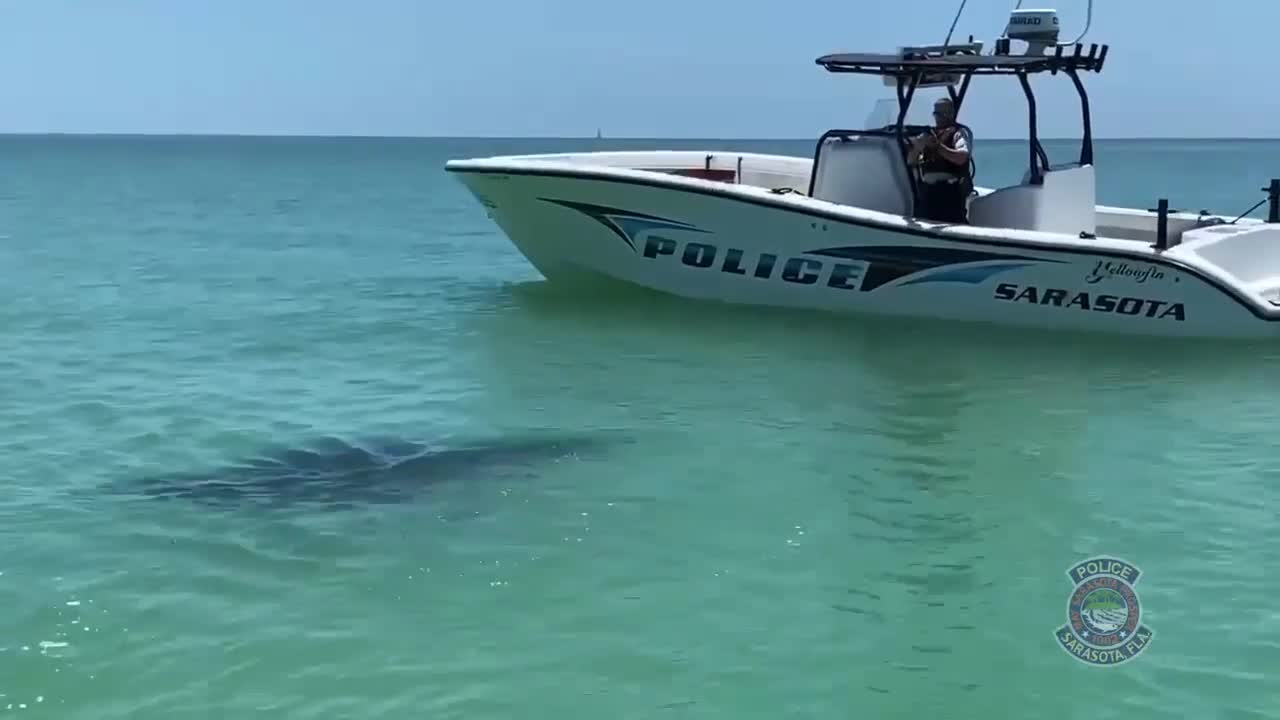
{"x":1273,"y":200}
{"x":1162,"y":224}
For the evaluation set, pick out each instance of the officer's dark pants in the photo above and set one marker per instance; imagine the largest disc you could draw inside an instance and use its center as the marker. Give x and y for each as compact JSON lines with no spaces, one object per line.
{"x":943,"y":202}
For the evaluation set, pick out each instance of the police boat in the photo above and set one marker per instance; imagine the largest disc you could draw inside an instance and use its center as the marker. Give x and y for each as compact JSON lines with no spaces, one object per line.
{"x":839,"y":231}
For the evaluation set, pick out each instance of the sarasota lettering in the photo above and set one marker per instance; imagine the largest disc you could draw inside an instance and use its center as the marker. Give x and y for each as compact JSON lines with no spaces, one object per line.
{"x":734,"y":261}
{"x":1115,"y":304}
{"x":1106,"y":656}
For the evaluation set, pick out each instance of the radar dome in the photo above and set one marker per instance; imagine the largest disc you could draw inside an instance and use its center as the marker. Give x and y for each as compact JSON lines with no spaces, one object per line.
{"x":1038,"y":28}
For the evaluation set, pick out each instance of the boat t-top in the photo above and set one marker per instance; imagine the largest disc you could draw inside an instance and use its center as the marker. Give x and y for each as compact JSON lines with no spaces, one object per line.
{"x":842,"y":231}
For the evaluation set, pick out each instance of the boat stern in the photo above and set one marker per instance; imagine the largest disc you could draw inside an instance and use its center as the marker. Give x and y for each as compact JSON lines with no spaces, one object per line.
{"x":1245,"y":256}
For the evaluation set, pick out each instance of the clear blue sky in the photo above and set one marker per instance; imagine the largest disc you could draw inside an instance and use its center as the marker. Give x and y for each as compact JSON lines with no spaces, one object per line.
{"x":657,"y":68}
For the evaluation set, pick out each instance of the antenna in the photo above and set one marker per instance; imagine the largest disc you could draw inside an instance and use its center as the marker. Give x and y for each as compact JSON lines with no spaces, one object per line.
{"x":947,"y":42}
{"x":1088,"y":22}
{"x":946,"y":48}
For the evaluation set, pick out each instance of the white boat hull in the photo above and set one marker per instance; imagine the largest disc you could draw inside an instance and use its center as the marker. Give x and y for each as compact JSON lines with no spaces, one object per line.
{"x":744,"y":244}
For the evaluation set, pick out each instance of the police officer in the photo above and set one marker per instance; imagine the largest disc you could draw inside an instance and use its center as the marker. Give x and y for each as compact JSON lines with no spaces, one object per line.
{"x":942,"y":157}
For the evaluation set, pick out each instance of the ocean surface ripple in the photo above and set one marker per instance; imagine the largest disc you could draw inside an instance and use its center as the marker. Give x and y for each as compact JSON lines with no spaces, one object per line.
{"x":812,"y":516}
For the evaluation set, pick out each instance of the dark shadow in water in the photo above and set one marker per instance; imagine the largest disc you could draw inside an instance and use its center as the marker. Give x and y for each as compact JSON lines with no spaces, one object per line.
{"x":332,"y":473}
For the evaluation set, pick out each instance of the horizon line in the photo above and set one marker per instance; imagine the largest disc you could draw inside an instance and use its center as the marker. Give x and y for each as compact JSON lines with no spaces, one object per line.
{"x":683,"y":138}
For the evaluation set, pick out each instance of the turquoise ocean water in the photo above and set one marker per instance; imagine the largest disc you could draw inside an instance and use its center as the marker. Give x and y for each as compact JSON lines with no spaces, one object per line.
{"x":789,"y":515}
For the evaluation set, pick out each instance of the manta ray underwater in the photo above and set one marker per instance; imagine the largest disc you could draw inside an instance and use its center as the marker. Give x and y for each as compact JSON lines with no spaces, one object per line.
{"x":332,"y":472}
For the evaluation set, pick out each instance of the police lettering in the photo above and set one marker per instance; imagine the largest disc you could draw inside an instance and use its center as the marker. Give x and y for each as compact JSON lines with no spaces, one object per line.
{"x":800,"y":270}
{"x":1114,"y":304}
{"x":1087,"y":570}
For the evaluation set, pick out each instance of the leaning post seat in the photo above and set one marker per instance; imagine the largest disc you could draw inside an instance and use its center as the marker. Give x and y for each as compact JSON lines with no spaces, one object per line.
{"x":1064,"y":201}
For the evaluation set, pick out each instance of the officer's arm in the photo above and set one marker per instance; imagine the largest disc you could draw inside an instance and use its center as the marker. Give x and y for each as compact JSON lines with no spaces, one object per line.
{"x":952,"y":155}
